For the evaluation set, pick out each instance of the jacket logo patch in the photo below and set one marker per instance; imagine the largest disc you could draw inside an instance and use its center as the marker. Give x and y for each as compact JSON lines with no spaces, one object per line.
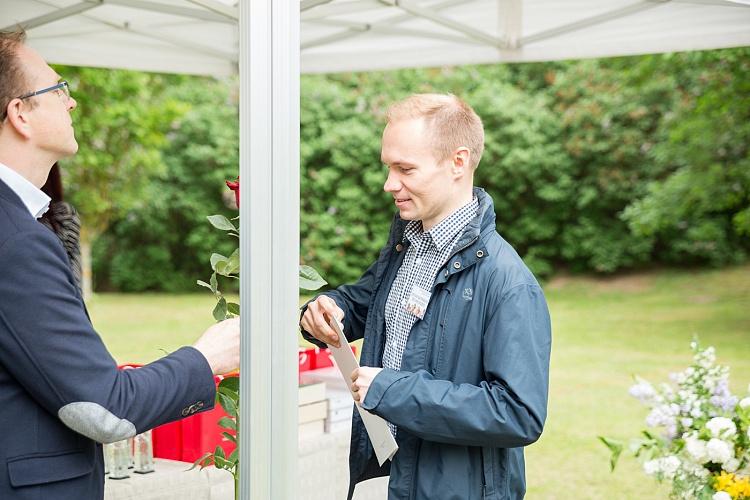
{"x":468,"y":294}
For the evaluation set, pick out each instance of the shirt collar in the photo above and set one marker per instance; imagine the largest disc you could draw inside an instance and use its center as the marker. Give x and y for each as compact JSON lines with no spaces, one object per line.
{"x":413,"y":232}
{"x":443,"y":232}
{"x":34,"y":198}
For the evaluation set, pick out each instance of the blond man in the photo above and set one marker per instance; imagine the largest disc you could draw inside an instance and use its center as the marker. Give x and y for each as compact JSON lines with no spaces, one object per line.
{"x":456,"y":328}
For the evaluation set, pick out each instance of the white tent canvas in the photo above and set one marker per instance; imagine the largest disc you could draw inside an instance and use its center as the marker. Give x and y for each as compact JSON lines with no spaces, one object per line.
{"x":201,"y":36}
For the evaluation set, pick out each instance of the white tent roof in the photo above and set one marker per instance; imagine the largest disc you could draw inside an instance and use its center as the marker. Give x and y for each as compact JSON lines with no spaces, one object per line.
{"x":201,"y":36}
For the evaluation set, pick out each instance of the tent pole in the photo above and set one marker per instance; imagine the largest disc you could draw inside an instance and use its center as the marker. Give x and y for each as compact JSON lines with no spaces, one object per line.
{"x":269,"y":243}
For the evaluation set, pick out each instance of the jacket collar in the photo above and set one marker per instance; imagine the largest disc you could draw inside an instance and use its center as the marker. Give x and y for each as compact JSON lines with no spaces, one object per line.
{"x":470,"y":247}
{"x":32,"y":198}
{"x":482,"y":223}
{"x":484,"y":220}
{"x":6,"y":193}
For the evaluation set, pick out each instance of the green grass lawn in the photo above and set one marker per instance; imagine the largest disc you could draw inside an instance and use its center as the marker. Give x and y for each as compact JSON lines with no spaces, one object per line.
{"x":604,"y":331}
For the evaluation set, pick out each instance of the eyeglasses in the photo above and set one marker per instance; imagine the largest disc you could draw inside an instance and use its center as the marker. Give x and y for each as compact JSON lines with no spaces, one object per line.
{"x":62,"y":89}
{"x":63,"y":86}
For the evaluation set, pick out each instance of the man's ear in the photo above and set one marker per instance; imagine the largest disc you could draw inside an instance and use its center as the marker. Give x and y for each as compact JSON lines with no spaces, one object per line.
{"x":460,"y":159}
{"x":18,"y":117}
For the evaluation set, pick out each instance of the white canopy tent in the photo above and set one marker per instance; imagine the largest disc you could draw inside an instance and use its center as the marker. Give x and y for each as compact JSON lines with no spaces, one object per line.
{"x":261,"y":39}
{"x":201,"y":36}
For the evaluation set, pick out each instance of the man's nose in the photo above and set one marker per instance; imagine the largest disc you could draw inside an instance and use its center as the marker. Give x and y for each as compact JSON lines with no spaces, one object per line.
{"x":72,"y":104}
{"x":392,"y":184}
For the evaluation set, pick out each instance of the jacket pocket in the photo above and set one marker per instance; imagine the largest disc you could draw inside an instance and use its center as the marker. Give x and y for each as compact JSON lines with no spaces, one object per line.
{"x":495,"y":475}
{"x":44,"y":468}
{"x":488,"y":475}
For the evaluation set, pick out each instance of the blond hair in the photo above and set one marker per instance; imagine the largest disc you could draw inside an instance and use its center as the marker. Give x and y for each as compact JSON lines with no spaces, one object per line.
{"x":450,"y":123}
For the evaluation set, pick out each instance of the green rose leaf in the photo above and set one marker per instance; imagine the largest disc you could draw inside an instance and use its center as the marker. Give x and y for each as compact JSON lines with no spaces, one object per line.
{"x":233,"y":263}
{"x":226,"y":266}
{"x":216,"y":260}
{"x":214,"y":283}
{"x":309,"y":279}
{"x":220,"y":459}
{"x":226,"y":403}
{"x":233,"y":308}
{"x":227,"y":423}
{"x":228,"y":400}
{"x":220,"y":311}
{"x":203,"y":461}
{"x":221,"y":222}
{"x":231,"y":384}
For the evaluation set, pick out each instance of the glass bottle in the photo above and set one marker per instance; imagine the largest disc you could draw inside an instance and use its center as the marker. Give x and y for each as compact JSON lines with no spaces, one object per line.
{"x":120,"y":460}
{"x":143,"y":453}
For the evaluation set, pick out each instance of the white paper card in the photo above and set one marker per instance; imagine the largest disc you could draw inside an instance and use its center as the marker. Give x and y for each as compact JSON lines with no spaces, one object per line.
{"x":377,"y":428}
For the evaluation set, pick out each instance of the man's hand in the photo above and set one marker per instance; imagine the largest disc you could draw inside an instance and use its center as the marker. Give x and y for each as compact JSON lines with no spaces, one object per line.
{"x":315,"y":320}
{"x":361,"y":380}
{"x":220,"y":344}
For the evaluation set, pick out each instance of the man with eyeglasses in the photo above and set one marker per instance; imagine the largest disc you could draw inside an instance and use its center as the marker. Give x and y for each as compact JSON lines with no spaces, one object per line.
{"x":61,"y":394}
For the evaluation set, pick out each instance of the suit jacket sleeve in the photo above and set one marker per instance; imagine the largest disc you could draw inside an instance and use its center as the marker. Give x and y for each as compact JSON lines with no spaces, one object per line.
{"x":49,"y":346}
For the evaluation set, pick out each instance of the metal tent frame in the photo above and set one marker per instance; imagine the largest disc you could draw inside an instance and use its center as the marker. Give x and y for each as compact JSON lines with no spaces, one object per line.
{"x":201,"y":36}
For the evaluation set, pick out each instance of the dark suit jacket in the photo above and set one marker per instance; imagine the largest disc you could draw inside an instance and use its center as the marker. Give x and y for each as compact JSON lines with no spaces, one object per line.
{"x":56,"y":374}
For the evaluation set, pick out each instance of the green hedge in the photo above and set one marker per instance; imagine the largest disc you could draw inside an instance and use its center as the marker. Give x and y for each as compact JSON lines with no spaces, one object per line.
{"x":597,"y":165}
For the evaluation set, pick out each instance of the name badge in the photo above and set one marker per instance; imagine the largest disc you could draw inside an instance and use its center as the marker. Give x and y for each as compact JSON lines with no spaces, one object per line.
{"x":417,"y":302}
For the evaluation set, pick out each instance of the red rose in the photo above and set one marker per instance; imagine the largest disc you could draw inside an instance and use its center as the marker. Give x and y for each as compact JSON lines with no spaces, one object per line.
{"x":235,"y":186}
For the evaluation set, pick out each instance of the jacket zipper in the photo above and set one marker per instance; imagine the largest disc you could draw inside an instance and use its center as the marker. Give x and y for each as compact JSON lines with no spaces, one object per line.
{"x":419,"y":441}
{"x":440,"y":325}
{"x":484,"y":479}
{"x":413,"y":493}
{"x":442,"y":313}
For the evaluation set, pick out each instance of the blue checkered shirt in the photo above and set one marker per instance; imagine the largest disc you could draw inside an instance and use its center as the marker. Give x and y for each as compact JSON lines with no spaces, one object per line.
{"x":428,"y":252}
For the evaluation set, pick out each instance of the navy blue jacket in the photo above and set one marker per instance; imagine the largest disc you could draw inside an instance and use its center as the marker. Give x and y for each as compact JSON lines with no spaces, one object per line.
{"x":472,"y":389}
{"x":56,"y":374}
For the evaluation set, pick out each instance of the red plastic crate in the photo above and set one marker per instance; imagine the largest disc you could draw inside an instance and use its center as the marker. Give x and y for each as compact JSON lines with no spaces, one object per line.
{"x":167,"y":440}
{"x":305,"y":358}
{"x":324,"y":358}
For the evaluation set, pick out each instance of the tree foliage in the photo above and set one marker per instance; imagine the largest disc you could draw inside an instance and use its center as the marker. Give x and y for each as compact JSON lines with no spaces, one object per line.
{"x":121,"y":124}
{"x":700,"y":213}
{"x":597,"y":165}
{"x":163,"y":242}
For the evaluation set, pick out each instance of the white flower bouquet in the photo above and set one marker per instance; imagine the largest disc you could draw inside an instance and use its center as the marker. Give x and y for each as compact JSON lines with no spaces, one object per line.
{"x":702,"y":439}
